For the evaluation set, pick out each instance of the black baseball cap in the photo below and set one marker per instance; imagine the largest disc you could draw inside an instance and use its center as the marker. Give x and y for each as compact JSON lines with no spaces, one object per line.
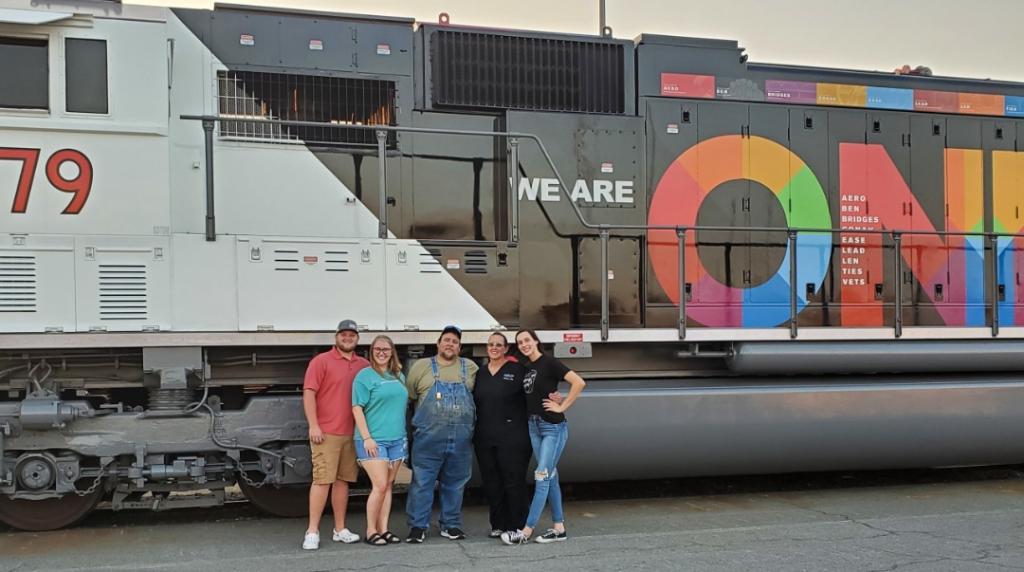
{"x":347,"y":326}
{"x":452,"y":330}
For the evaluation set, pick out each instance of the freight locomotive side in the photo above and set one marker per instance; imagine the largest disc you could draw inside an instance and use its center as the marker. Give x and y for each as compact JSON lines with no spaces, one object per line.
{"x":177,"y":245}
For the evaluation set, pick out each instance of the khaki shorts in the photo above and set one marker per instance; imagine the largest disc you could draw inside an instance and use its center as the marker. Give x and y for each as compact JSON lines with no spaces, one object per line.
{"x":334,"y":460}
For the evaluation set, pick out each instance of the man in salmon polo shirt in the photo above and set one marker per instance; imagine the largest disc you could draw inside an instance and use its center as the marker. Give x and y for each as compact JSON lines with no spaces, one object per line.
{"x":327,"y":401}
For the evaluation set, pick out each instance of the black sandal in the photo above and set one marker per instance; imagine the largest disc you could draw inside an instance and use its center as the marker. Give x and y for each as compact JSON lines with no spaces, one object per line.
{"x":391,"y":538}
{"x":376,"y":540}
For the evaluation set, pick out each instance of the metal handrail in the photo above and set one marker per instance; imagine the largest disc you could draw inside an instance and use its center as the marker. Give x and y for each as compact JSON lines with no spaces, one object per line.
{"x":991,"y":239}
{"x":604,"y":230}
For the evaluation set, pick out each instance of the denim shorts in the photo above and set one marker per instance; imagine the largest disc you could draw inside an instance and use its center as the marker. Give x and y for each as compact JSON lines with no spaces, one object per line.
{"x":393,"y":450}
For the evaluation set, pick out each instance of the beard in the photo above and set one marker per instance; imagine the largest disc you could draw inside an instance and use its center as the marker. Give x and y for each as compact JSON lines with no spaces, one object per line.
{"x":347,"y":347}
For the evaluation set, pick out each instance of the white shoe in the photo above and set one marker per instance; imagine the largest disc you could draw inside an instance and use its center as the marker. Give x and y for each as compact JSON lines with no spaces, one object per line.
{"x":345,"y":535}
{"x":514,"y":537}
{"x":311,"y":541}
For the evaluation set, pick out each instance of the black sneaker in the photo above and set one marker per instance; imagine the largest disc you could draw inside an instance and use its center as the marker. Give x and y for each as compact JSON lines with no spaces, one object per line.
{"x":495,"y":533}
{"x":552,"y":535}
{"x":416,"y":535}
{"x":453,"y":533}
{"x":514,"y":537}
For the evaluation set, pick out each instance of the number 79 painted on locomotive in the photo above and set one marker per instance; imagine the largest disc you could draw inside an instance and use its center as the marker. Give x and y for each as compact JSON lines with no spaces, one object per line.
{"x":872,"y":195}
{"x":80,"y":184}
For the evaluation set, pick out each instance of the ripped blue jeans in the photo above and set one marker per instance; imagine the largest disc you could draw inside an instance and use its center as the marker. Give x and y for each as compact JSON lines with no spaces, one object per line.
{"x":548,"y":441}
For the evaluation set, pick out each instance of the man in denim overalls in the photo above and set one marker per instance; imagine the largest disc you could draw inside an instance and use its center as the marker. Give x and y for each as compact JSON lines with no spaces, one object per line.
{"x":442,"y":445}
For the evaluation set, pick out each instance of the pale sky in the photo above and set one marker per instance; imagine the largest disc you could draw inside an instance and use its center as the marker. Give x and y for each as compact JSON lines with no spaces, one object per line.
{"x":966,"y":38}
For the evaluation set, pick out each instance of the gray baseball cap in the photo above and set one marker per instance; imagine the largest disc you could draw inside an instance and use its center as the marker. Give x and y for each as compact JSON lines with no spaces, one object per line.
{"x":347,"y":326}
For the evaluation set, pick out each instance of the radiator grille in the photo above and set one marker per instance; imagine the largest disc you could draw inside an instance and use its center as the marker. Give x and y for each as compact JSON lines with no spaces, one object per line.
{"x":123,"y":292}
{"x":17,"y":283}
{"x":487,"y":70}
{"x":260,"y":96}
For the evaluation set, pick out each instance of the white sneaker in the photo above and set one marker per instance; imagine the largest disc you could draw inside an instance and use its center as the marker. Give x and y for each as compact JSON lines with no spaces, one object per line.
{"x":514,"y":537}
{"x":345,"y":535}
{"x":311,"y":541}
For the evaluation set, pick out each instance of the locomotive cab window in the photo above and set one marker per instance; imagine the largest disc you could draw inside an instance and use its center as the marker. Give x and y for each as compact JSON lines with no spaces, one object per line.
{"x":86,"y":75}
{"x":24,"y":73}
{"x":259,"y":96}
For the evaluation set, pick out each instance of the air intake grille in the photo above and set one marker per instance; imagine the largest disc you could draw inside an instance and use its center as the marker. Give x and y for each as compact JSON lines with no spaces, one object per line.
{"x":122,"y":292}
{"x":17,"y":283}
{"x":512,"y":72}
{"x":258,"y":96}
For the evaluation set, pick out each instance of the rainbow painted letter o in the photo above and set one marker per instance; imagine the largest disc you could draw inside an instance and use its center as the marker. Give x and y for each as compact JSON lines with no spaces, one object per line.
{"x":677,"y":198}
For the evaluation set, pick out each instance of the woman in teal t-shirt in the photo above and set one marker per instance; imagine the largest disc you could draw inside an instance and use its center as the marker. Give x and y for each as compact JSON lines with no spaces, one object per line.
{"x":379,"y":399}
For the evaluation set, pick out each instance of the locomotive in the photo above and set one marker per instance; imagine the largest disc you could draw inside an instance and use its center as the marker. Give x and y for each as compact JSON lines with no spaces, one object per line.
{"x":758,"y":268}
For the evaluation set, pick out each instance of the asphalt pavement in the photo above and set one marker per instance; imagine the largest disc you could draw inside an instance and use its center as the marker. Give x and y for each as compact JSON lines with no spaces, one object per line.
{"x":962,"y":520}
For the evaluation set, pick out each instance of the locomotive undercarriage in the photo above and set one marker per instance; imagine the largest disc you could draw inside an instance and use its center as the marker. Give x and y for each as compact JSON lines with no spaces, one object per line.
{"x":141,"y":427}
{"x":163,"y":428}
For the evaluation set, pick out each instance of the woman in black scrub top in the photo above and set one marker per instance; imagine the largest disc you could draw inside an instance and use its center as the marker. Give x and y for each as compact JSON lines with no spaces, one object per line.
{"x":501,"y":439}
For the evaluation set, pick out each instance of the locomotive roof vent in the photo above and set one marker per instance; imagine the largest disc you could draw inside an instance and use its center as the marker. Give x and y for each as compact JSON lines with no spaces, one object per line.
{"x":490,"y":70}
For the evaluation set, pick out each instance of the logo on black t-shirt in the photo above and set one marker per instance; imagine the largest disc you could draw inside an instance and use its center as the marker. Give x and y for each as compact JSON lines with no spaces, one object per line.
{"x":529,"y":379}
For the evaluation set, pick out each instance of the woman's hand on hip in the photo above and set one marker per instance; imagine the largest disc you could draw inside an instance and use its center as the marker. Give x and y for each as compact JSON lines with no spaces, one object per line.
{"x":553,"y":407}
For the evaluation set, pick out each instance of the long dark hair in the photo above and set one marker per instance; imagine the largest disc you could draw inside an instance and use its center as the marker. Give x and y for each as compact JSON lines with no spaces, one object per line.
{"x":533,"y":334}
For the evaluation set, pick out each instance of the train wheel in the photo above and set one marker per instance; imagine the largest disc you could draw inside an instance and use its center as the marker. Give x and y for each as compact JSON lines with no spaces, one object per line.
{"x":48,"y":514}
{"x":289,"y":501}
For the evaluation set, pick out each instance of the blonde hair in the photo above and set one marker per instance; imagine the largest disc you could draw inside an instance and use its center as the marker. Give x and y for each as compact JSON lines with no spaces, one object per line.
{"x":394,"y":367}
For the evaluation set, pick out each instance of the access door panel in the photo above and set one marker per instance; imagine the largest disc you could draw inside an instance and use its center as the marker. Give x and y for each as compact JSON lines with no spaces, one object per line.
{"x":724,"y":255}
{"x":287,"y":285}
{"x":36,"y":273}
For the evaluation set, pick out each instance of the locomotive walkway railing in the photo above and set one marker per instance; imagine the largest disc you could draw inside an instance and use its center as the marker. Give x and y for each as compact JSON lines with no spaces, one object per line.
{"x":603,"y":231}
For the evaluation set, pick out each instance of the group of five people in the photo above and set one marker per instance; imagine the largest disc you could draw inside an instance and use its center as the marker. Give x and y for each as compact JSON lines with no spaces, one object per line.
{"x":504,"y":411}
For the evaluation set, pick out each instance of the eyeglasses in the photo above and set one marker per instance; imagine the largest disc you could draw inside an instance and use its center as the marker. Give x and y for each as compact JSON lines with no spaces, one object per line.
{"x":382,"y":350}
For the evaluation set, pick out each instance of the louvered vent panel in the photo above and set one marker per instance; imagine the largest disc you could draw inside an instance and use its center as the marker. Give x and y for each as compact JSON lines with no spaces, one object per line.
{"x":475,"y":262}
{"x":286,"y":260}
{"x":487,"y":70}
{"x":123,"y":292}
{"x":17,"y":283}
{"x":336,"y":260}
{"x":430,"y":263}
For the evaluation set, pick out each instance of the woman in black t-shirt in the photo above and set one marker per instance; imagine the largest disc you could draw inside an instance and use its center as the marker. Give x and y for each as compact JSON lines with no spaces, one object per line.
{"x":501,"y":440}
{"x":548,"y":434}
